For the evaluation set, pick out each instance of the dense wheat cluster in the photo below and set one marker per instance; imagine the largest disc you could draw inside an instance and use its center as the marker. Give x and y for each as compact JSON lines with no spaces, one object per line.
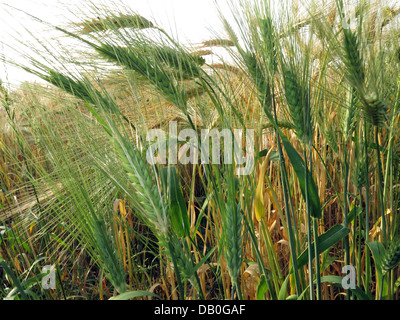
{"x":319,"y":83}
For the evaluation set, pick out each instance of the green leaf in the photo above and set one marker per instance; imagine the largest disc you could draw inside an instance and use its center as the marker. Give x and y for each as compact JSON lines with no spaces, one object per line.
{"x":354,"y":212}
{"x":134,"y":294}
{"x":61,"y":242}
{"x":177,"y":207}
{"x":325,"y":241}
{"x":201,"y":214}
{"x":205,"y":258}
{"x":262,"y":288}
{"x":283,"y":290}
{"x":396,"y":284}
{"x":327,"y":262}
{"x":299,"y":168}
{"x":14,"y":279}
{"x":378,"y":252}
{"x":274,"y":157}
{"x":337,"y":281}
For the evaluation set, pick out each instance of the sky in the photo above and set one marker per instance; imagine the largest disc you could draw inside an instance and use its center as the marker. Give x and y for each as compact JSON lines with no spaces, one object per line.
{"x":191,"y":21}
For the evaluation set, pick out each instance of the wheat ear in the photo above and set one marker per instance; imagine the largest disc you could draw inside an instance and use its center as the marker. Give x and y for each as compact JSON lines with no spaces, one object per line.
{"x":392,"y":257}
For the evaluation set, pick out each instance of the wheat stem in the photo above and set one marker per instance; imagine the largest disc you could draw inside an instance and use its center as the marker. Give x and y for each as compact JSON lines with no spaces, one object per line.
{"x":345,"y":191}
{"x":286,"y":201}
{"x":383,"y":217}
{"x":309,"y":240}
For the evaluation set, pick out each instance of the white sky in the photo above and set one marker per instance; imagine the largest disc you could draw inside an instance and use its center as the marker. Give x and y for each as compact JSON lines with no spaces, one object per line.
{"x":190,"y":20}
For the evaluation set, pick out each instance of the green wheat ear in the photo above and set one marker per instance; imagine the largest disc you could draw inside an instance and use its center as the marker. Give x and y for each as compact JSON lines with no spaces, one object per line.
{"x":392,"y":257}
{"x":375,"y":110}
{"x":143,"y":180}
{"x":134,"y":60}
{"x":115,"y":22}
{"x":296,"y":97}
{"x":359,"y":178}
{"x":353,"y":58}
{"x":258,"y":76}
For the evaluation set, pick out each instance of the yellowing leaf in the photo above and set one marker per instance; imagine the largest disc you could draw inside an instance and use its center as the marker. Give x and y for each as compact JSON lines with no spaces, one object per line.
{"x":31,"y":228}
{"x":17,"y":265}
{"x":122,"y":208}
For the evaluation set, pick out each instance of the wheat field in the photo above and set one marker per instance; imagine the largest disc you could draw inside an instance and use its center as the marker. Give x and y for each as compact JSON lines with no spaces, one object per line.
{"x":316,"y":217}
